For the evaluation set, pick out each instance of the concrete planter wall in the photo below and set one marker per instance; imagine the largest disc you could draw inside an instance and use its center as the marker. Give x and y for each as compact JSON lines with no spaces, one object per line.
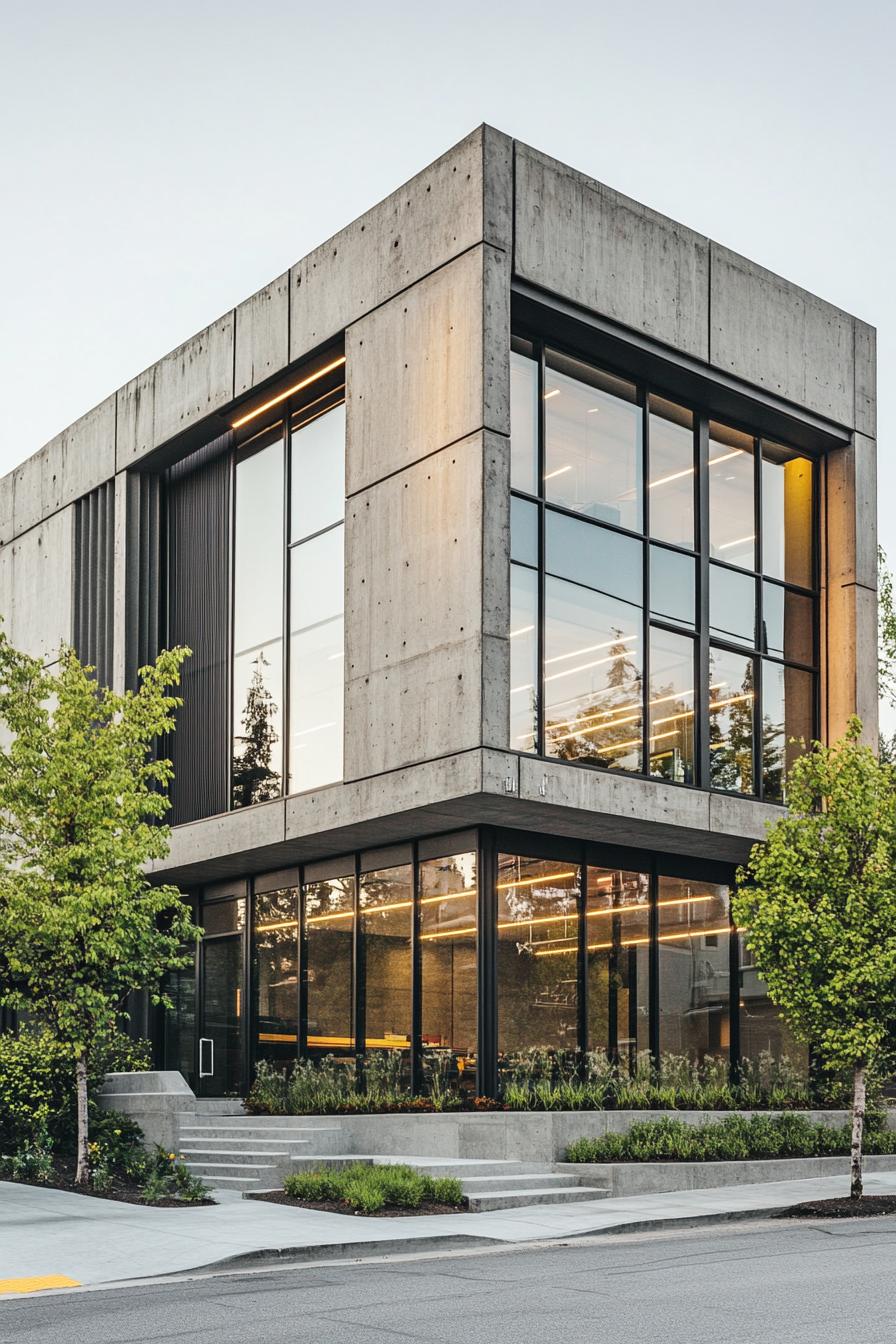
{"x":157,"y":1099}
{"x":654,"y":1178}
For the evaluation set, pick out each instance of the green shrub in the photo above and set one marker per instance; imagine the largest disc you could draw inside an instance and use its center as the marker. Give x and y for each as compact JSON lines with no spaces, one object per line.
{"x":161,"y":1176}
{"x":732,"y":1138}
{"x":368,"y":1189}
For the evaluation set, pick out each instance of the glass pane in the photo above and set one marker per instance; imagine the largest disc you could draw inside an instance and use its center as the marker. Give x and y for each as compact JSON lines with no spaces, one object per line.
{"x":386,"y":908}
{"x":538,"y":919}
{"x":594,"y":555}
{"x":180,"y":1023}
{"x":329,"y":937}
{"x":671,"y":472}
{"x":593,"y":432}
{"x":673,"y":585}
{"x":731,"y":694}
{"x":787,"y":624}
{"x":448,"y":898}
{"x":732,"y":605}
{"x":523,"y":658}
{"x":523,"y":531}
{"x":258,"y":625}
{"x":317,"y":474}
{"x":277,"y":974}
{"x":523,"y":423}
{"x":767,"y":1045}
{"x":787,"y":551}
{"x":618,"y":923}
{"x":671,"y":707}
{"x":224,"y":916}
{"x":316,"y":661}
{"x":222,"y":1009}
{"x":788,"y":697}
{"x":694,"y":973}
{"x":732,"y":521}
{"x":592,"y":677}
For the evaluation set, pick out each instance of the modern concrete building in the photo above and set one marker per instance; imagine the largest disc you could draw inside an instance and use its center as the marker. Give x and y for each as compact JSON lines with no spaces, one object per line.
{"x":515,"y":531}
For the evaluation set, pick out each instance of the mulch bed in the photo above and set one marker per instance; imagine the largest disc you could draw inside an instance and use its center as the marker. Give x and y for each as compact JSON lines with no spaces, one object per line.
{"x":869,"y":1206}
{"x":337,"y":1206}
{"x":122,"y":1192}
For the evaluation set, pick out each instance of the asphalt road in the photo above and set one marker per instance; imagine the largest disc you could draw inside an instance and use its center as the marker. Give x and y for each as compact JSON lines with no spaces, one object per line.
{"x":782,"y":1283}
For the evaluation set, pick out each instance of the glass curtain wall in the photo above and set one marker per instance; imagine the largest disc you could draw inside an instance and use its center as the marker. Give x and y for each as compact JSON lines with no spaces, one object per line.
{"x":448,"y":910}
{"x":694,"y":969}
{"x":288,"y":602}
{"x":276,"y":956}
{"x":617,"y":929}
{"x":329,"y":917}
{"x":643,"y":639}
{"x":386,"y":912}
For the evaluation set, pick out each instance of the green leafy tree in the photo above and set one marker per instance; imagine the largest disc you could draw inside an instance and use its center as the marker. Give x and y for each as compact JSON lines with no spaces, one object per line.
{"x":818,"y":901}
{"x":82,"y":802}
{"x":886,"y":649}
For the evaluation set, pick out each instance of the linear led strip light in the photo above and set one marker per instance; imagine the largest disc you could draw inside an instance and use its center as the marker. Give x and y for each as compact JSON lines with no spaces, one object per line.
{"x":290,"y":392}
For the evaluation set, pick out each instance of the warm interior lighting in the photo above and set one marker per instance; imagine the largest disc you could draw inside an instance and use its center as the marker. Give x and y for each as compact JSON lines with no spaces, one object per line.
{"x":534,"y":881}
{"x":283,"y":924}
{"x":561,"y":471}
{"x":589,"y":648}
{"x":555,"y":392}
{"x":523,"y":630}
{"x":741,"y":541}
{"x":290,"y":391}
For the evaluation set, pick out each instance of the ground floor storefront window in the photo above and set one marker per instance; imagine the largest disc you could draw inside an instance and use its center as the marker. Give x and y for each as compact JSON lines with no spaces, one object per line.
{"x":462,"y":956}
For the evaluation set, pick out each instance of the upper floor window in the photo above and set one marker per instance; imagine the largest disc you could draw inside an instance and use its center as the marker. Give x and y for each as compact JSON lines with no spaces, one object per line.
{"x":287,"y":619}
{"x":663,"y":584}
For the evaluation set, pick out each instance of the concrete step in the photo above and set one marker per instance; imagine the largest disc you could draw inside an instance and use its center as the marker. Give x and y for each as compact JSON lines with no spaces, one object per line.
{"x":461,"y":1167}
{"x":246,"y":1154}
{"x":254,"y":1131}
{"x":248,"y":1184}
{"x":284,"y":1141}
{"x":549,"y":1180}
{"x":212,"y":1172}
{"x":518,"y":1199}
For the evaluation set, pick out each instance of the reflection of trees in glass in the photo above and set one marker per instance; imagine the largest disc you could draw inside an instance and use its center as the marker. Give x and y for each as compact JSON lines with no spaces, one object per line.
{"x":597,"y":732}
{"x":254,"y":778}
{"x":772,"y":757}
{"x":671,"y":743}
{"x":731,"y":734}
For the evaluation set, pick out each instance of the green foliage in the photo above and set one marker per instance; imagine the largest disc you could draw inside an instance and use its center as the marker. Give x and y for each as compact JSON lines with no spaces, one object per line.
{"x":541,"y":1080}
{"x":329,"y":1086}
{"x":818,"y":899}
{"x":886,"y":631}
{"x":36,"y":1089}
{"x":83,"y":799}
{"x":368,"y":1189}
{"x":732,"y":1138}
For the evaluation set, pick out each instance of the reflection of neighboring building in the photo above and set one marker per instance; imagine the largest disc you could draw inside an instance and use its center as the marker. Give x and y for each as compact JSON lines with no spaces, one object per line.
{"x":495,"y":528}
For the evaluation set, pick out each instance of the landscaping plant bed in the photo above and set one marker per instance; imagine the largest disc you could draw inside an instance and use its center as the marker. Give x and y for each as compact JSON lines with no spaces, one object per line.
{"x":118,"y":1190}
{"x":366,"y":1188}
{"x":869,"y":1206}
{"x":340,"y":1206}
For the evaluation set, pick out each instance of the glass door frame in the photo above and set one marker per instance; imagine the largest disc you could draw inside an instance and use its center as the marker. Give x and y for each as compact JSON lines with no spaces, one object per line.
{"x":208,"y":897}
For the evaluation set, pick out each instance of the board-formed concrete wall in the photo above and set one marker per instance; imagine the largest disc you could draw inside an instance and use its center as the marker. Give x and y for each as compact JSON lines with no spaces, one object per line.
{"x":36,"y":586}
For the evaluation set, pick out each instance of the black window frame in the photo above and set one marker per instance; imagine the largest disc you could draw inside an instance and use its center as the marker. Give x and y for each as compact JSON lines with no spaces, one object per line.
{"x":703,"y":414}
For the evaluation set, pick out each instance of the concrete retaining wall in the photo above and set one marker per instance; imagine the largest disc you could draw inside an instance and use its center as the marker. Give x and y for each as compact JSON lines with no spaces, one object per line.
{"x":654,"y":1178}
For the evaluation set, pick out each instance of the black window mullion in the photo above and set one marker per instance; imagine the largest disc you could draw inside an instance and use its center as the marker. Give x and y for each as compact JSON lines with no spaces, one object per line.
{"x":287,"y":566}
{"x":645,"y":586}
{"x":359,"y":1017}
{"x":486,"y":965}
{"x":733,"y":999}
{"x":653,"y":977}
{"x":542,"y":563}
{"x":758,"y":788}
{"x":416,"y":979}
{"x":582,"y":973}
{"x":701,"y":679}
{"x":302,"y":1030}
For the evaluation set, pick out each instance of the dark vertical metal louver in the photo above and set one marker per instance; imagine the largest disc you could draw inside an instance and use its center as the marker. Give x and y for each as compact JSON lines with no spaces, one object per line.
{"x":94,"y":580}
{"x":198,"y":564}
{"x":143,"y":636}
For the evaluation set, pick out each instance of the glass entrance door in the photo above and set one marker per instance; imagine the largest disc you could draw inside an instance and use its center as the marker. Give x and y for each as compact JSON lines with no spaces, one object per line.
{"x":220,"y":1044}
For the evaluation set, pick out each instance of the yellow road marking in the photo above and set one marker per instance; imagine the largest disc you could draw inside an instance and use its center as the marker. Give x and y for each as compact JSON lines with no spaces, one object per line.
{"x":37,"y":1283}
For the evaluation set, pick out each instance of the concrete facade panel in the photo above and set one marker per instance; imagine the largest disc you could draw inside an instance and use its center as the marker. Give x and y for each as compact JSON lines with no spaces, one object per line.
{"x":850,"y":665}
{"x":36,"y":585}
{"x":851,"y":509}
{"x":865,"y":419}
{"x":261,"y":335}
{"x":439,"y":214}
{"x":192,"y":382}
{"x":606,"y":252}
{"x":415,"y":373}
{"x":779,"y":337}
{"x":80,"y":458}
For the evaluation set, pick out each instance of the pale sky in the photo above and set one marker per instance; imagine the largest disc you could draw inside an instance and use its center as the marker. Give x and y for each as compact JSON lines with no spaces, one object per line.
{"x":163,"y":161}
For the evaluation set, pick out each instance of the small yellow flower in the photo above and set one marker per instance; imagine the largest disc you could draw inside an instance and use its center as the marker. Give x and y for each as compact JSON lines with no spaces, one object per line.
{"x":172,"y":1157}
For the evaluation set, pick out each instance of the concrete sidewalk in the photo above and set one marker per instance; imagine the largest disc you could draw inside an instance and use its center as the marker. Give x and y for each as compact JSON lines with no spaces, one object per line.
{"x":94,"y":1241}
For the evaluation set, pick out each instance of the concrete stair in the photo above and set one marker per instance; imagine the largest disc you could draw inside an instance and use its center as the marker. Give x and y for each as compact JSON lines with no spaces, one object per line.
{"x":239,"y":1152}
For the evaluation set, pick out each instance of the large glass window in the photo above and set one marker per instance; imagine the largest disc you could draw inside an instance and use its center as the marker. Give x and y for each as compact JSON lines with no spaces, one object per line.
{"x":448,"y":920}
{"x":592,"y":677}
{"x":767,"y":1045}
{"x":618,"y":950}
{"x":258,"y":622}
{"x":287,"y":705}
{"x":787,"y":719}
{"x":694,"y":968}
{"x":593,"y":428}
{"x":329,"y":959}
{"x":386,"y":914}
{"x":674,"y":627}
{"x":276,"y":945}
{"x":538,"y":920}
{"x":524,"y":418}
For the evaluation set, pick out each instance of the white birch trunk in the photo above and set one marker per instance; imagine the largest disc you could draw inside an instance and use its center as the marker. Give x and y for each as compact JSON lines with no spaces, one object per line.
{"x":858,"y":1127}
{"x":82,"y":1169}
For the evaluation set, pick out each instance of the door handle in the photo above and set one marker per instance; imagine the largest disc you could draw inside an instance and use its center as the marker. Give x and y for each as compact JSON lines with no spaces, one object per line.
{"x":206,"y":1057}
